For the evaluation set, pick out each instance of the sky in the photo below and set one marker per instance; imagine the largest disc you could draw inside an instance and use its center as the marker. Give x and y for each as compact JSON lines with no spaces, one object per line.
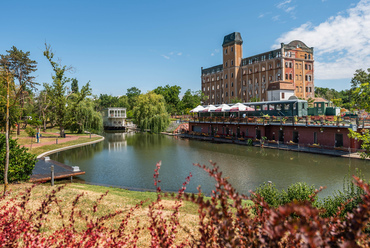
{"x":119,"y":44}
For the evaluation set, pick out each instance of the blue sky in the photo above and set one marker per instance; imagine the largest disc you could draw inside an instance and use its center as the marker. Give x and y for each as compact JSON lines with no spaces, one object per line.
{"x":120,"y":44}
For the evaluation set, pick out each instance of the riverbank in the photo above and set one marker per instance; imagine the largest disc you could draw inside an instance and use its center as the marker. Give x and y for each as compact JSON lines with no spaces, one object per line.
{"x":276,"y":145}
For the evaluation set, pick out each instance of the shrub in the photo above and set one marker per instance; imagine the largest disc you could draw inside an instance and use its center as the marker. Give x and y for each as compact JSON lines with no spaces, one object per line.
{"x":298,"y":191}
{"x":270,"y":194}
{"x":21,"y":163}
{"x":31,"y":132}
{"x":250,"y":142}
{"x":223,"y":221}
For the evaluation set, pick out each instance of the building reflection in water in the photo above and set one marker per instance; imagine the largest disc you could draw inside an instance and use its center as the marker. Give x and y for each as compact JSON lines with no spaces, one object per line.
{"x":117,"y":141}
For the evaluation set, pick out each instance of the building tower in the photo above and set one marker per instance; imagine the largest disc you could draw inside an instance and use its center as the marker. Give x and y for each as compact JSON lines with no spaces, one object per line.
{"x":232,"y":56}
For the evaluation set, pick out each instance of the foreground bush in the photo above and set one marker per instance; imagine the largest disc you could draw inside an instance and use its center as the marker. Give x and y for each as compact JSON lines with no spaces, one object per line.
{"x":21,"y":163}
{"x":224,"y":221}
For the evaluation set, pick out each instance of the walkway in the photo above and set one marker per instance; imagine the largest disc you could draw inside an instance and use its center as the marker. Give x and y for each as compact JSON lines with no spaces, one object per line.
{"x":52,"y":142}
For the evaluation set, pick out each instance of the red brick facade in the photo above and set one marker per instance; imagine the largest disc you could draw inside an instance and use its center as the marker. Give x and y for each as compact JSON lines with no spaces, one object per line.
{"x":248,"y":79}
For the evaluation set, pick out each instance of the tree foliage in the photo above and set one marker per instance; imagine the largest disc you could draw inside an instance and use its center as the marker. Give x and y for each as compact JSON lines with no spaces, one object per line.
{"x":150,"y":112}
{"x":21,"y":163}
{"x":190,"y":100}
{"x":360,"y":90}
{"x":171,"y":96}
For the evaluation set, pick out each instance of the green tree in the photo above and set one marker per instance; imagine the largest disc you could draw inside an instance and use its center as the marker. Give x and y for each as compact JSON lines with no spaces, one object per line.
{"x":74,"y":85}
{"x":190,"y":100}
{"x":74,"y":120}
{"x":106,"y":101}
{"x":21,"y":162}
{"x":360,"y":90}
{"x":150,"y":112}
{"x":58,"y":88}
{"x":132,"y":95}
{"x":171,"y":96}
{"x":360,"y":98}
{"x":236,"y":100}
{"x":22,"y":68}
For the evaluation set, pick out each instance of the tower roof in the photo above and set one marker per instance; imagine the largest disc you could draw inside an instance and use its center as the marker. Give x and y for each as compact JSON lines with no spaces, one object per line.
{"x":232,"y":38}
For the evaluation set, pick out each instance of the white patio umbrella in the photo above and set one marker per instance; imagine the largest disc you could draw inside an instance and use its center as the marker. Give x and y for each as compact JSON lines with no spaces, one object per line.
{"x":209,"y":108}
{"x":237,"y":107}
{"x":222,"y":108}
{"x":197,"y":109}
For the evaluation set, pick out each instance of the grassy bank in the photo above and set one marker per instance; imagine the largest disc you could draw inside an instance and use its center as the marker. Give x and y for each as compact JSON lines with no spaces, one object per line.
{"x":45,"y":148}
{"x":116,"y":200}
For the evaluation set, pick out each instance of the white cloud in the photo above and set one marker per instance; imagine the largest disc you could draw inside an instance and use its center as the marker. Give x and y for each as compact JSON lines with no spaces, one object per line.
{"x":171,"y":53}
{"x":342,"y":42}
{"x":164,"y":56}
{"x":212,"y":54}
{"x":276,"y":18}
{"x":179,"y":53}
{"x":283,"y":4}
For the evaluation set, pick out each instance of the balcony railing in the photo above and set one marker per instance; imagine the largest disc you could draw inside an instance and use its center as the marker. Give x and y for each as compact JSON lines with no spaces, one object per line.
{"x":330,"y":121}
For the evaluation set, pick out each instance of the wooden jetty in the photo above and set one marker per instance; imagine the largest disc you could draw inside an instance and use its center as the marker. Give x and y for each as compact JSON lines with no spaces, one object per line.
{"x":42,"y":170}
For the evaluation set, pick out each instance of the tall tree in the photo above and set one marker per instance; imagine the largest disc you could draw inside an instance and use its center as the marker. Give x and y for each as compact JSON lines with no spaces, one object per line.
{"x":74,"y":85}
{"x":22,"y":67}
{"x":360,"y":99}
{"x":58,"y":88}
{"x":7,"y":78}
{"x":171,"y":96}
{"x":150,"y":112}
{"x":132,"y":95}
{"x":360,"y":89}
{"x":190,"y":100}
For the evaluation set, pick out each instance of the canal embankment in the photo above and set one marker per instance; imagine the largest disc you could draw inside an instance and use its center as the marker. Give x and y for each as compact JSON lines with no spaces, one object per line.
{"x":296,"y":147}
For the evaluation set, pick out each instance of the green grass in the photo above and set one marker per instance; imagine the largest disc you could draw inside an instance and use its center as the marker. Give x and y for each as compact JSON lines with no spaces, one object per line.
{"x":45,"y":148}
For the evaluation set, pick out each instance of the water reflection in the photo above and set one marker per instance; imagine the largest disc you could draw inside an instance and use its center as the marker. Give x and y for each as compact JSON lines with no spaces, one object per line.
{"x":128,"y":160}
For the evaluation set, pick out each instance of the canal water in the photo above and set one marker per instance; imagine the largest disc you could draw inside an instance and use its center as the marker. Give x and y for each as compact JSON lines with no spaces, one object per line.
{"x":128,"y":160}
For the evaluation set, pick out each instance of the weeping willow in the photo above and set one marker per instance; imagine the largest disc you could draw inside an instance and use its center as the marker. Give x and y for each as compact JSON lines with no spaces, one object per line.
{"x":83,"y":117}
{"x":150,"y":113}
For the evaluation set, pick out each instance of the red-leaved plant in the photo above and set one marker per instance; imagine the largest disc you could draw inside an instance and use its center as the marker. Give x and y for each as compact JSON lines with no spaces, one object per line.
{"x":224,"y":221}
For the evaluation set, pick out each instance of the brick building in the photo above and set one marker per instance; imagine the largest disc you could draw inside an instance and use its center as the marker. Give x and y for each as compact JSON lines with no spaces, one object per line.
{"x":248,"y":79}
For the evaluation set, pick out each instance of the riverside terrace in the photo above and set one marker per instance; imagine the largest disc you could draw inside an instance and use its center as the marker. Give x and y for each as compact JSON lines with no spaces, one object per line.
{"x":325,"y":132}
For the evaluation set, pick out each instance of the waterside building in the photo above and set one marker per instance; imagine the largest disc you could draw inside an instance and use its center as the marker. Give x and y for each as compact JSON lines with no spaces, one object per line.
{"x":287,"y":69}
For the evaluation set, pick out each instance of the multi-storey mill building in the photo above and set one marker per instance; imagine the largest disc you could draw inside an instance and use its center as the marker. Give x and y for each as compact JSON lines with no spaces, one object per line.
{"x":291,"y":67}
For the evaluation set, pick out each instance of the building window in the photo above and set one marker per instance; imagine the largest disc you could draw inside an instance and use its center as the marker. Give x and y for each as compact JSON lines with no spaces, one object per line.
{"x":278,"y":65}
{"x":232,"y":84}
{"x":204,"y":88}
{"x":243,"y":82}
{"x":309,"y":67}
{"x":232,"y":93}
{"x":296,"y":64}
{"x":213,"y":87}
{"x":226,"y":51}
{"x":225,"y":64}
{"x":218,"y":86}
{"x":305,"y":66}
{"x":282,"y":95}
{"x":270,"y":66}
{"x":225,"y":76}
{"x":218,"y":78}
{"x":263,"y":68}
{"x":232,"y":62}
{"x":226,"y":94}
{"x":226,"y":85}
{"x":213,"y":96}
{"x":290,"y":76}
{"x":296,"y":76}
{"x":290,"y":65}
{"x":305,"y":56}
{"x":297,"y":88}
{"x":309,"y":78}
{"x":208,"y":88}
{"x":232,"y":49}
{"x":309,"y":56}
{"x":243,"y":72}
{"x":250,"y":70}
